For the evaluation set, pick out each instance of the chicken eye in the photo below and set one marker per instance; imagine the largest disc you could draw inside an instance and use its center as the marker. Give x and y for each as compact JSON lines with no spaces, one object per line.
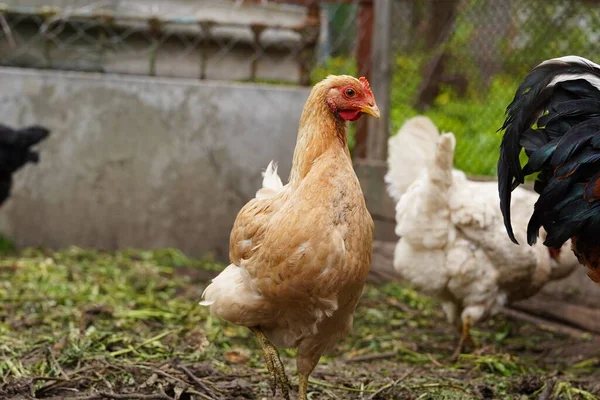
{"x":350,"y":92}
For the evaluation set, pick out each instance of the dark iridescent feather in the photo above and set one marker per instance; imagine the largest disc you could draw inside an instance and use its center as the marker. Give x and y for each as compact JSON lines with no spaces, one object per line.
{"x":555,"y":117}
{"x":574,"y":139}
{"x":586,"y":156}
{"x":592,"y":189}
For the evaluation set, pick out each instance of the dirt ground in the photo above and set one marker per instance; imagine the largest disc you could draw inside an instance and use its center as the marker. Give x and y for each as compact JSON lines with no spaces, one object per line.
{"x":93,"y":325}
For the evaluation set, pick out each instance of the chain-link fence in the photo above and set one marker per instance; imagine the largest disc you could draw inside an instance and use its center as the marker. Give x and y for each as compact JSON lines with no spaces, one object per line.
{"x":460,"y":62}
{"x":457,"y":61}
{"x":225,"y":40}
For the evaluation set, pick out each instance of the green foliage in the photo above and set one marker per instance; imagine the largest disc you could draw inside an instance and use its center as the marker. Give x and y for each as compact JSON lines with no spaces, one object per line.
{"x":503,"y":364}
{"x":549,"y":29}
{"x":541,"y":30}
{"x":6,"y":245}
{"x":84,"y":304}
{"x":474,"y":120}
{"x":333,"y":66}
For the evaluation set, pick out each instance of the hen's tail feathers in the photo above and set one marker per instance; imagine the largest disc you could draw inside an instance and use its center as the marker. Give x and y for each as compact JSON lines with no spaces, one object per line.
{"x":22,"y":138}
{"x":557,"y":95}
{"x":410,"y":152}
{"x":271,"y":183}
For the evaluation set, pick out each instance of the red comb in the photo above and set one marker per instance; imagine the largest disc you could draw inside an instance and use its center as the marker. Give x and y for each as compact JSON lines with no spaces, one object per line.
{"x":365,"y":83}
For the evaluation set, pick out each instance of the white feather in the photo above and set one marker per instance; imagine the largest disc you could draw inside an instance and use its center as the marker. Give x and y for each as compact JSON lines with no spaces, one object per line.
{"x":271,"y":183}
{"x":409,"y":152}
{"x":594,"y":80}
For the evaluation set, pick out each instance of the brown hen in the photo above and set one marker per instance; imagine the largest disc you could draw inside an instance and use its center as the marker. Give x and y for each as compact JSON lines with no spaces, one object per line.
{"x":300,"y":257}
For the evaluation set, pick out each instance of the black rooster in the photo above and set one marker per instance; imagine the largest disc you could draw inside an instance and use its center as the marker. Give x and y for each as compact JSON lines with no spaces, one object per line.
{"x":15,"y":152}
{"x":555,"y":117}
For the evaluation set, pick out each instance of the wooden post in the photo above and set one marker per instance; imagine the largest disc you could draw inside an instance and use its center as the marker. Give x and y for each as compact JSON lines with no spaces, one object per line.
{"x":363,"y":61}
{"x":381,"y":81}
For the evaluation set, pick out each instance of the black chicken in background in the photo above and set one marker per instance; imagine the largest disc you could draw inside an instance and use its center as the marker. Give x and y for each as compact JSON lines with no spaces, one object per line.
{"x":555,"y":117}
{"x":15,"y":152}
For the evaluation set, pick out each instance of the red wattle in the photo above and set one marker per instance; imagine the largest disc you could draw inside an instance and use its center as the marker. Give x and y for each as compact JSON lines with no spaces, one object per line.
{"x":349,"y":115}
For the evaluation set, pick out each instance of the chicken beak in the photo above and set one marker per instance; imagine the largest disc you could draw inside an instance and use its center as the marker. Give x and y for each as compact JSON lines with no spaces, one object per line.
{"x":371,"y":110}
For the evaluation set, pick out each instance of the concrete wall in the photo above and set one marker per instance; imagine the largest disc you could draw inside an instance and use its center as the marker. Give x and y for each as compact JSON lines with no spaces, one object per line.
{"x":142,"y":162}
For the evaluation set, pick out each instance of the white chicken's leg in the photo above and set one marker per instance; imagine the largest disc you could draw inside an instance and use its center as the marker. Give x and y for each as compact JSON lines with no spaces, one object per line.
{"x":465,"y":336}
{"x":274,"y":365}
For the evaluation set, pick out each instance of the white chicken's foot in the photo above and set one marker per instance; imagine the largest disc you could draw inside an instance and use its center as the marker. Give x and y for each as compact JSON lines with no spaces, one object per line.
{"x":277,"y":375}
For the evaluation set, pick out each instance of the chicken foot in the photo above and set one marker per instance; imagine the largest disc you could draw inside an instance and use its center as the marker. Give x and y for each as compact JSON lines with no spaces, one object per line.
{"x":464,"y":329}
{"x":275,"y":367}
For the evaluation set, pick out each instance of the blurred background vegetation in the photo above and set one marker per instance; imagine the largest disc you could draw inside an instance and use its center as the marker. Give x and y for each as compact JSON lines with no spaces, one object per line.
{"x":460,"y":61}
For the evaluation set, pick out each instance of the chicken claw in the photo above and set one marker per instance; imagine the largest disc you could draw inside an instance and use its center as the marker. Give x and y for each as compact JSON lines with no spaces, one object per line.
{"x":277,"y":375}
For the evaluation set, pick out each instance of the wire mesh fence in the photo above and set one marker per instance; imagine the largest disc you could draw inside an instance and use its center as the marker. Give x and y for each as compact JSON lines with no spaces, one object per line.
{"x":460,"y":62}
{"x":204,"y":40}
{"x":457,"y":61}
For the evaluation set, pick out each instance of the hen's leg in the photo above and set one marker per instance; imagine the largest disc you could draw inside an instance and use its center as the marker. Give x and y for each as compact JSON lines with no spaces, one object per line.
{"x":306,"y":361}
{"x":302,"y":387}
{"x":465,"y":336}
{"x":274,"y":365}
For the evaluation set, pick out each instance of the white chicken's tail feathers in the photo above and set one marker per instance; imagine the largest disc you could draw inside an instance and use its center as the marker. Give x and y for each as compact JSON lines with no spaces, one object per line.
{"x":271,"y":183}
{"x":410,"y":151}
{"x":440,"y":169}
{"x":422,"y":214}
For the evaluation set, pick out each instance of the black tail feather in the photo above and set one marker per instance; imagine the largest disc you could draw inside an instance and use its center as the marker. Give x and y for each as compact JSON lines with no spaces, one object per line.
{"x":555,"y":117}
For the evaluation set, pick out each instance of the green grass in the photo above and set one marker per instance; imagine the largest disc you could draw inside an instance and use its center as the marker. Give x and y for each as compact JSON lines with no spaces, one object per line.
{"x":67,"y":308}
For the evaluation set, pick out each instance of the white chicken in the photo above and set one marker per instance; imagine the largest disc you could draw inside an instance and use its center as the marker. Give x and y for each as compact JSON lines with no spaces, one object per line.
{"x":453,"y":243}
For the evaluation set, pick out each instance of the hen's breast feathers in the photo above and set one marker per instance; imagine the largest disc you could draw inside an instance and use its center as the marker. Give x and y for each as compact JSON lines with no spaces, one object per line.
{"x":304,"y":242}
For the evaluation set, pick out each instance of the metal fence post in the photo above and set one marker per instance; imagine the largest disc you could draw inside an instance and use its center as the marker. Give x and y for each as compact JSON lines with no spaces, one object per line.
{"x":381,"y":80}
{"x":363,"y":63}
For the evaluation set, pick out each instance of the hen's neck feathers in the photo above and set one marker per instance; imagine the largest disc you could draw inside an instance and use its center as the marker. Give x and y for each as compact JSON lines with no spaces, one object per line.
{"x":320,"y":130}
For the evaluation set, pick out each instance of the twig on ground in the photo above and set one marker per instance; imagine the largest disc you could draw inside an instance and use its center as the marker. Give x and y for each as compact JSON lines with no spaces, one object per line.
{"x":164,"y":374}
{"x":436,"y":385}
{"x":48,"y":378}
{"x":144,"y":343}
{"x":400,"y":306}
{"x":391,"y":385}
{"x":346,"y":388}
{"x":197,"y":393}
{"x":56,"y":364}
{"x":434,"y":361}
{"x":101,"y":377}
{"x":196,"y":380}
{"x":131,"y":396}
{"x":544,"y":324}
{"x":370,"y":357}
{"x":548,"y":387}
